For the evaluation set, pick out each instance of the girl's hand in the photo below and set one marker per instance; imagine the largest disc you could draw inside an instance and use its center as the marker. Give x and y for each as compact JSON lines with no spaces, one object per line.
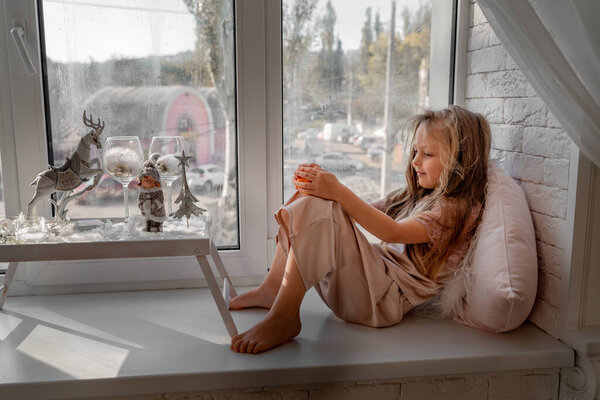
{"x":321,"y":183}
{"x":300,"y":179}
{"x":306,"y":165}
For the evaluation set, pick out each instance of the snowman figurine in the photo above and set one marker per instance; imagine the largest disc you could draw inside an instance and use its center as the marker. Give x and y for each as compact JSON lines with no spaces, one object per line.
{"x":151,"y":200}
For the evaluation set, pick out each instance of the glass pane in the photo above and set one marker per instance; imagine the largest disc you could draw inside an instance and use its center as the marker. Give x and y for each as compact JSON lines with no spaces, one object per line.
{"x":2,"y":206}
{"x":147,"y":68}
{"x":334,"y":69}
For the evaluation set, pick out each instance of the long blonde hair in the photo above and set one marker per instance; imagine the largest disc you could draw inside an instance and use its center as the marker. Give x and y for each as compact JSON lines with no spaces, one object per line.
{"x":465,"y":140}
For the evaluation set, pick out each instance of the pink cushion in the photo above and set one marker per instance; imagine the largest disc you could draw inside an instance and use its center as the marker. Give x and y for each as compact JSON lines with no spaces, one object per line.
{"x":504,"y":264}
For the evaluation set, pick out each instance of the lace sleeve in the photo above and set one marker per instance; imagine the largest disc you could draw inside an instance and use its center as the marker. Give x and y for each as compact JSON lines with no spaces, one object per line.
{"x":439,"y":231}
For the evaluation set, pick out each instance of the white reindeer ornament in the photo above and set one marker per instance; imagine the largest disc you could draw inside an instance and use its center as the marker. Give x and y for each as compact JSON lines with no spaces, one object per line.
{"x":77,"y":169}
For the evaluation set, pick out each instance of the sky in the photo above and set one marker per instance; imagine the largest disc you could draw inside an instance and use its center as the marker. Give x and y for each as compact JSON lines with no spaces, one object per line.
{"x":81,"y":30}
{"x":351,"y":16}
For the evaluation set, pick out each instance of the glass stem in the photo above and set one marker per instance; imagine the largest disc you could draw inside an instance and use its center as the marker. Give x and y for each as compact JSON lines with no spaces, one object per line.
{"x":126,"y":196}
{"x":169,"y":205}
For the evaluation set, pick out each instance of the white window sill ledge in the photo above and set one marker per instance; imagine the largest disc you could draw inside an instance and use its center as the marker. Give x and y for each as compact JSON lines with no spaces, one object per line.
{"x":128,"y":343}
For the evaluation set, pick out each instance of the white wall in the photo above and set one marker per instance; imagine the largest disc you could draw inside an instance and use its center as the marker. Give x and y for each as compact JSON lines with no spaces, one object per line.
{"x":531,"y":146}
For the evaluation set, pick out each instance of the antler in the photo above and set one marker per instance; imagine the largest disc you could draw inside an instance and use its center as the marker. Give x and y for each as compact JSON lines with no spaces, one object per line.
{"x":97,"y":127}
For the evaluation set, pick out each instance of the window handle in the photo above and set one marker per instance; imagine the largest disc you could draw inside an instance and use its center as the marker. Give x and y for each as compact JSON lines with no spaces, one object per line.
{"x":18,"y":35}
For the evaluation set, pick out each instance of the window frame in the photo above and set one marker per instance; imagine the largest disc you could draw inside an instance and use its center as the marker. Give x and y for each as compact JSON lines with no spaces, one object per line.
{"x":23,"y":129}
{"x":579,"y":319}
{"x":445,"y":51}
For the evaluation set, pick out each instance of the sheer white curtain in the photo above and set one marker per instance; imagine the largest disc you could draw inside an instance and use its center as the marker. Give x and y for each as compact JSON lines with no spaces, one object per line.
{"x":556,"y":44}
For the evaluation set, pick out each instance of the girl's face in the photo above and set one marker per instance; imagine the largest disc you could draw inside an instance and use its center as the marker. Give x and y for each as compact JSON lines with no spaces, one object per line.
{"x":427,"y":160}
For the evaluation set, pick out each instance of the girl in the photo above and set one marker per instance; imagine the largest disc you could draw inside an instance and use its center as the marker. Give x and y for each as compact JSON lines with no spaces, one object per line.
{"x":425,"y":230}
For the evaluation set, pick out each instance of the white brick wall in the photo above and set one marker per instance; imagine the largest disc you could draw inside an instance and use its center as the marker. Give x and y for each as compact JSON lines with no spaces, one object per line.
{"x":507,"y":137}
{"x":517,"y":385}
{"x":530,"y":145}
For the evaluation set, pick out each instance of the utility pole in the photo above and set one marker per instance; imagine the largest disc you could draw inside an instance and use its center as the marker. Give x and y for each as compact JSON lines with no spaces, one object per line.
{"x":386,"y":165}
{"x":349,"y":112}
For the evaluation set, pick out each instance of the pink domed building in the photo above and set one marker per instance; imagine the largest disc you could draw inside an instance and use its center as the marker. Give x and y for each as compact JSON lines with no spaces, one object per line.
{"x":148,"y":111}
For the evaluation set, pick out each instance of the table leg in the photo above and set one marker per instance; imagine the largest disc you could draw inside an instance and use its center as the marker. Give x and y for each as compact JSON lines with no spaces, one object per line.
{"x":8,"y":277}
{"x":219,"y":299}
{"x":214,"y":254}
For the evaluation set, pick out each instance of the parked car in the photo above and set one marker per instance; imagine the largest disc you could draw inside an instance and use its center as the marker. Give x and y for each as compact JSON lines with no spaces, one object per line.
{"x":312,"y":147}
{"x":366,"y":141}
{"x":338,"y":132}
{"x":375,"y":152}
{"x":335,"y":161}
{"x":352,"y":139}
{"x":205,"y":178}
{"x":309,"y":133}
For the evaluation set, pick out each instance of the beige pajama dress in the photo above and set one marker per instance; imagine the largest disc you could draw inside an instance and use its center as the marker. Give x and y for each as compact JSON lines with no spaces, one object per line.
{"x":361,"y":282}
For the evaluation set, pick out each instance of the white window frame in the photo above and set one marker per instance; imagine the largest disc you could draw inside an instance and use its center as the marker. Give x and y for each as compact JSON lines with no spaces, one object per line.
{"x":23,"y":129}
{"x":441,"y":56}
{"x":579,"y":320}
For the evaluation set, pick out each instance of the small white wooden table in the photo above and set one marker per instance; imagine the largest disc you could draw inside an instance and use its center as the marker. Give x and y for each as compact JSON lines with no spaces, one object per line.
{"x":201,"y":248}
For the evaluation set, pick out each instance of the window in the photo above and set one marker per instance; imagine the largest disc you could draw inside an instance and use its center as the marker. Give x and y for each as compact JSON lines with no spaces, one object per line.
{"x":335,"y":63}
{"x":148,"y":75}
{"x":329,"y":105}
{"x":138,"y":66}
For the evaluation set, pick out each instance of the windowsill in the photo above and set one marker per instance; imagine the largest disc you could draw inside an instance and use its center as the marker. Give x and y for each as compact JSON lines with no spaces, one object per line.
{"x":586,"y":341}
{"x":127,"y":343}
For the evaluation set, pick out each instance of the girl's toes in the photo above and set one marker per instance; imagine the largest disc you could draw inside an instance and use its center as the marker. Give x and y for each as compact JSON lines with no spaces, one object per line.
{"x":244,"y":346}
{"x":233,"y":303}
{"x":250,"y":347}
{"x":235,"y":343}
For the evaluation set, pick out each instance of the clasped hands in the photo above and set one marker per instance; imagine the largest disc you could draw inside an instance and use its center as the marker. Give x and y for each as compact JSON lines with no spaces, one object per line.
{"x":313,"y":180}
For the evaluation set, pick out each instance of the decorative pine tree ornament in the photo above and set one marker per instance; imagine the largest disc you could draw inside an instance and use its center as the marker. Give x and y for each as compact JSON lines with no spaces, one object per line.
{"x":186,"y":198}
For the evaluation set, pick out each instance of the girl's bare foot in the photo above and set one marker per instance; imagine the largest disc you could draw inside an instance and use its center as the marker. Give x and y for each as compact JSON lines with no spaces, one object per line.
{"x":262,"y":296}
{"x":268,"y":333}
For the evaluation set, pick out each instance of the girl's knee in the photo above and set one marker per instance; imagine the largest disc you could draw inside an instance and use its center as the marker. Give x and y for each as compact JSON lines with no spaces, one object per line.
{"x":285,"y":216}
{"x":317,"y":203}
{"x":304,"y":211}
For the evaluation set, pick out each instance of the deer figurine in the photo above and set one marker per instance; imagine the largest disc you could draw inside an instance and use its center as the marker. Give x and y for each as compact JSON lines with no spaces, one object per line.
{"x":77,"y":169}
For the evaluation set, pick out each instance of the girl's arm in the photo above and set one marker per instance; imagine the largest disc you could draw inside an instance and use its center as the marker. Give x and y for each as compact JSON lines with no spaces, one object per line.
{"x":380,"y":224}
{"x":379,"y":204}
{"x":325,"y":185}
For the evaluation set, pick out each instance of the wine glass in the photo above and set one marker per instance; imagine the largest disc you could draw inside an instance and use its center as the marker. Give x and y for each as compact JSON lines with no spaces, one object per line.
{"x":163,"y":150}
{"x":123,"y":158}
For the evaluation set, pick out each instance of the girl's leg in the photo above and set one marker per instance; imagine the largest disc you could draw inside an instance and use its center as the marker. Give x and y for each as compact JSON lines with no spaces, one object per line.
{"x":264,"y":295}
{"x":282,"y":322}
